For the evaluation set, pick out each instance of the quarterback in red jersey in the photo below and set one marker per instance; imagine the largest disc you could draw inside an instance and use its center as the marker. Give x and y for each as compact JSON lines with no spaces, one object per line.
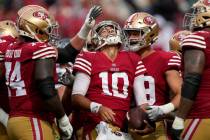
{"x":33,"y":99}
{"x":162,"y":67}
{"x":104,"y":83}
{"x":195,"y":105}
{"x":8,"y":34}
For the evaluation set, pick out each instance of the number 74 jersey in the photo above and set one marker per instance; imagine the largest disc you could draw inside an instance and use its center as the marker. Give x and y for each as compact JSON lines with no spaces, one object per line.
{"x":111,"y":82}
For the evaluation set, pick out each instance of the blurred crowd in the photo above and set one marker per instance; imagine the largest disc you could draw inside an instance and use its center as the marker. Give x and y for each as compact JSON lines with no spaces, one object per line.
{"x":70,"y":14}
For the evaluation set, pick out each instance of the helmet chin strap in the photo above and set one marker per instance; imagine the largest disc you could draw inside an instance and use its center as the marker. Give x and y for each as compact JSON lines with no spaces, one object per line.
{"x":110,"y":40}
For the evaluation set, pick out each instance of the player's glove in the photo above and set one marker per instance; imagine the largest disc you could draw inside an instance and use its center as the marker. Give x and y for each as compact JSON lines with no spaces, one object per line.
{"x":94,"y":12}
{"x":154,"y":112}
{"x":3,"y":117}
{"x":65,"y":127}
{"x":67,"y":78}
{"x":177,"y":128}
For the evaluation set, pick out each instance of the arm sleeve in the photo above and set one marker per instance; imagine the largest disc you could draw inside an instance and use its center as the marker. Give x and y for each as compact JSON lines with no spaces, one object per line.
{"x":173,"y":62}
{"x":67,"y":54}
{"x":43,"y":51}
{"x":83,"y":64}
{"x":194,"y":41}
{"x":139,"y":90}
{"x":44,"y":73}
{"x":140,"y":69}
{"x":81,"y":84}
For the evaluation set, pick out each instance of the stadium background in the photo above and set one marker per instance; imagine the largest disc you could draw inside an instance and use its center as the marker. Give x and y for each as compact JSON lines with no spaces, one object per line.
{"x":70,"y":14}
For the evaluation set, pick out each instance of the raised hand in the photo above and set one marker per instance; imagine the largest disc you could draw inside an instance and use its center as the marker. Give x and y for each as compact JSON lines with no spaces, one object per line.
{"x":93,"y":13}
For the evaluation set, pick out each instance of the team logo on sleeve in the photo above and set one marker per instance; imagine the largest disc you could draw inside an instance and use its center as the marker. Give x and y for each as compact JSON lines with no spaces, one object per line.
{"x":149,"y":20}
{"x":41,"y":14}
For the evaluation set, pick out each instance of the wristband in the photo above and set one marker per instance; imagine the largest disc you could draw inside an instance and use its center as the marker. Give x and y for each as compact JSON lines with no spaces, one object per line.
{"x":94,"y":107}
{"x":167,"y":108}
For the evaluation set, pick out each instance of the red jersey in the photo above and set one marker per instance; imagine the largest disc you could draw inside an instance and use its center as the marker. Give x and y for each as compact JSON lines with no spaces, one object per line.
{"x":4,"y":100}
{"x":24,"y":97}
{"x":156,"y":85}
{"x":111,"y":82}
{"x":201,"y":40}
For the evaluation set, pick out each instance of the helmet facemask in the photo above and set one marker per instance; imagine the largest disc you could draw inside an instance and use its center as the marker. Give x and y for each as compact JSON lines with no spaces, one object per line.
{"x":141,"y":30}
{"x":114,"y":37}
{"x":199,"y":17}
{"x":137,"y":42}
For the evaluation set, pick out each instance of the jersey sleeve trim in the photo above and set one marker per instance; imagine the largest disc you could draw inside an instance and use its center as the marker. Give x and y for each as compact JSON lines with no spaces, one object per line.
{"x":194,"y":41}
{"x":175,"y":60}
{"x":47,"y":52}
{"x":140,"y":69}
{"x":84,"y":65}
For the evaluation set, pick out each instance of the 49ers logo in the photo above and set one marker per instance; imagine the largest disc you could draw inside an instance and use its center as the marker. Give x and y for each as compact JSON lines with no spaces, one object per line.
{"x":40,"y":14}
{"x":149,"y":20}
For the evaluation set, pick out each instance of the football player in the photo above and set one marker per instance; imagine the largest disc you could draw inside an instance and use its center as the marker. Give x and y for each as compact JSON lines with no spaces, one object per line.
{"x":194,"y":107}
{"x":163,"y":75}
{"x":33,"y":99}
{"x":104,"y":82}
{"x":176,"y":39}
{"x":8,"y":34}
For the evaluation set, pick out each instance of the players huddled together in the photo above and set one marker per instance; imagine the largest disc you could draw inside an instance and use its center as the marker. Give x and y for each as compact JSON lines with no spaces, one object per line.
{"x":111,"y":83}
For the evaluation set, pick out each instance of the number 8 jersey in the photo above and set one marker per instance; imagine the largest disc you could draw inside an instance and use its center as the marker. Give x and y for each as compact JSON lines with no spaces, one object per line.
{"x":111,"y":82}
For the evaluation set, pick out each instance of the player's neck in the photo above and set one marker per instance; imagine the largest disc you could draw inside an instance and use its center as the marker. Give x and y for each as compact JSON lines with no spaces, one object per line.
{"x":111,"y":52}
{"x":144,"y":52}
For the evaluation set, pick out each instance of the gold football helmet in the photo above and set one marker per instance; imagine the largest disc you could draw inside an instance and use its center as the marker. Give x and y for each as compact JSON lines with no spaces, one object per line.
{"x":114,"y":37}
{"x":8,"y":28}
{"x":145,"y":27}
{"x":176,"y":40}
{"x":35,"y":22}
{"x":199,"y":16}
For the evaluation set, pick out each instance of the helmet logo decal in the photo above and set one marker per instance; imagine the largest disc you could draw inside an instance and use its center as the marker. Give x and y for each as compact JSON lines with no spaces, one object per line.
{"x":40,"y":14}
{"x":149,"y":20}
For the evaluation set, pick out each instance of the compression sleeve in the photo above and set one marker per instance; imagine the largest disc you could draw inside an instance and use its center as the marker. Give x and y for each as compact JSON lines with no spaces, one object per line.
{"x":81,"y":84}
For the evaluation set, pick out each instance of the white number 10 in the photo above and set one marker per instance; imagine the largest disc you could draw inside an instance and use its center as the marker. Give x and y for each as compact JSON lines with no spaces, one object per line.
{"x":115,"y":90}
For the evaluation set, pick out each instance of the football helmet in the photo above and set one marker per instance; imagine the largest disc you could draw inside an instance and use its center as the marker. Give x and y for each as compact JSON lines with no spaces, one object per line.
{"x":146,"y":30}
{"x":114,"y":34}
{"x":8,"y":28}
{"x":35,"y":22}
{"x":199,"y":16}
{"x":176,"y":40}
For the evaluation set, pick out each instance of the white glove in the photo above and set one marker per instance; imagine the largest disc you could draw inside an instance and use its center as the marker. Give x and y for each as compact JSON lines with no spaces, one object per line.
{"x":155,"y":111}
{"x":105,"y":133}
{"x":94,"y":12}
{"x":101,"y":129}
{"x":65,"y":127}
{"x":3,"y":117}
